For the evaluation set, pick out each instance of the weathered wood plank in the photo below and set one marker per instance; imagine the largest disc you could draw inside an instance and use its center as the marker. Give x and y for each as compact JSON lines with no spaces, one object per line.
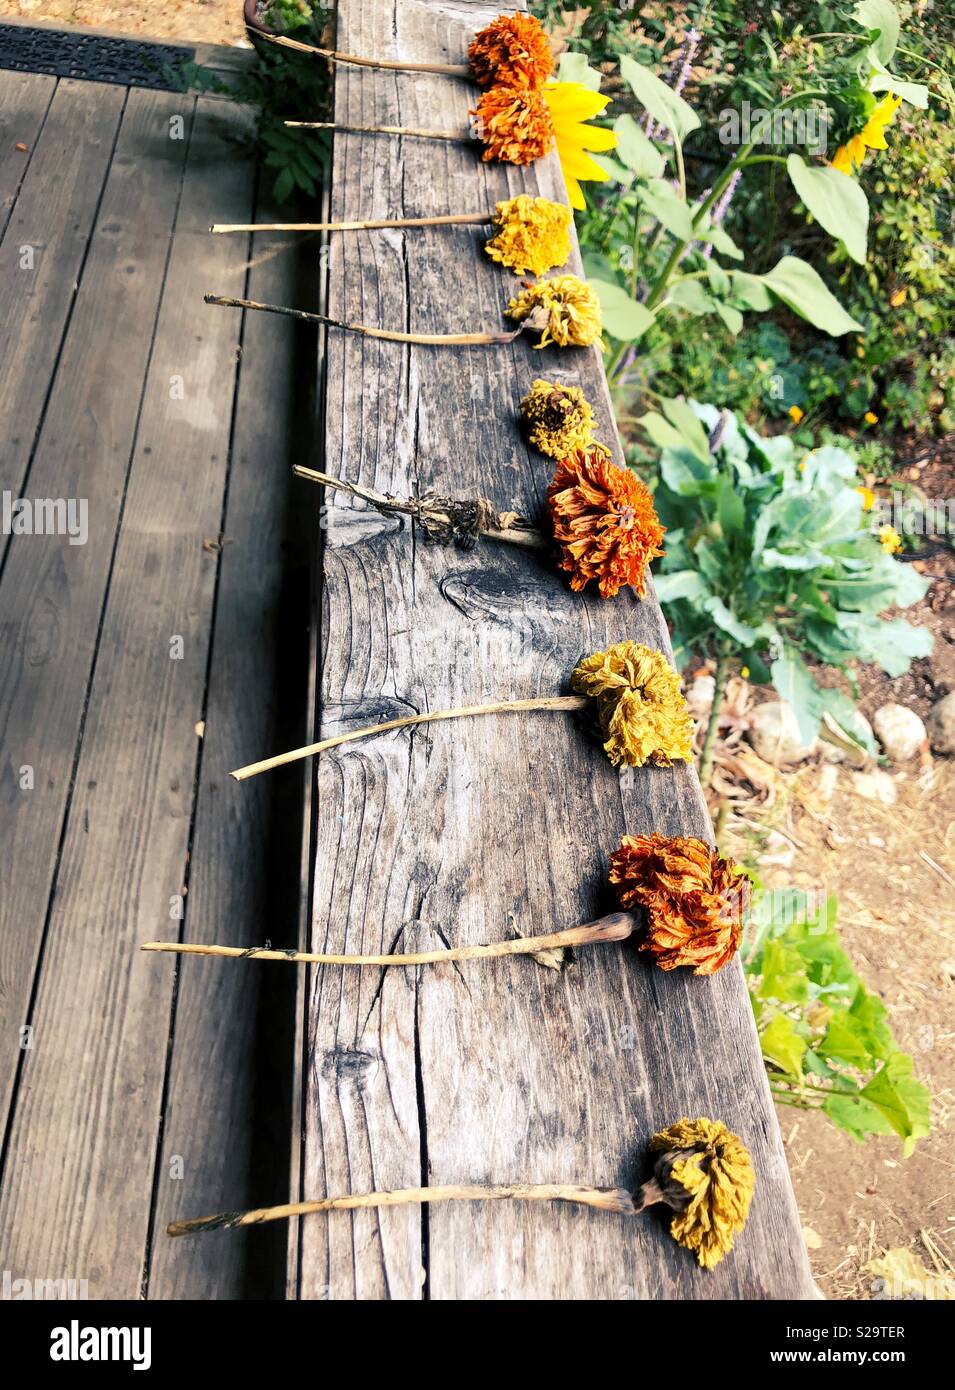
{"x":41,"y":254}
{"x":52,"y":593}
{"x":83,"y":1141}
{"x":228,"y":1117}
{"x":24,"y":101}
{"x":474,"y":828}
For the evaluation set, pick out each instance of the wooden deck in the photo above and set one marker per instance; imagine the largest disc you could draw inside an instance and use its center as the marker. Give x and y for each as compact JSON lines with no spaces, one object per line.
{"x":132,"y":1092}
{"x":491,"y":1072}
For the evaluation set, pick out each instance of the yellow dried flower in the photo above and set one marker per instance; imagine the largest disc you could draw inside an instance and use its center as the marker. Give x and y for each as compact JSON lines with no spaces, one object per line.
{"x":713,"y":1168}
{"x":558,"y":418}
{"x":564,"y":310}
{"x":640,"y":709}
{"x":533,"y":234}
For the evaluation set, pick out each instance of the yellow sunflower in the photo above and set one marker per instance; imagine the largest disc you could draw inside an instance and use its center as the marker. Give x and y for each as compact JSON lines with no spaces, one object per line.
{"x":871,"y":137}
{"x":571,"y":104}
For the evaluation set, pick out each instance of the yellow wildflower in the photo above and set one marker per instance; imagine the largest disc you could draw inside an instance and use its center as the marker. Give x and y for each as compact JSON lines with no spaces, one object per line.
{"x":558,"y":418}
{"x":640,"y":710}
{"x":705,"y":1172}
{"x":564,"y":310}
{"x":870,"y":418}
{"x":889,"y":539}
{"x":744,"y":672}
{"x":532,"y":234}
{"x":570,"y":105}
{"x":870,"y":137}
{"x":868,"y":497}
{"x":899,"y":298}
{"x":795,"y":414}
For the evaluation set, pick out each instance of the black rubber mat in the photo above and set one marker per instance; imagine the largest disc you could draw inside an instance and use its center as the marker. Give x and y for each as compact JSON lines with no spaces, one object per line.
{"x":125,"y":62}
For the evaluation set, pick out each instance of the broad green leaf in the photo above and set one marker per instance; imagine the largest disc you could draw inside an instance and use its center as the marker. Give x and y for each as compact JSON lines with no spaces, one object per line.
{"x":836,"y":202}
{"x":843,"y":1044}
{"x":681,"y":584}
{"x":730,"y":508}
{"x":856,"y":1116}
{"x":721,"y":239}
{"x":784,"y":975}
{"x":639,"y":153}
{"x":726,"y":619}
{"x":915,"y":93}
{"x":881,"y":15}
{"x":573,"y":67}
{"x":801,"y":288}
{"x":783,"y":1045}
{"x":668,"y":207}
{"x":623,"y":317}
{"x":683,"y":473}
{"x":612,"y":167}
{"x":730,"y":316}
{"x":719,"y":280}
{"x":902,"y":1101}
{"x":659,"y":99}
{"x":682,"y":415}
{"x":663,"y":434}
{"x":750,"y":290}
{"x":796,"y":686}
{"x":838,"y":705}
{"x":691,"y":296}
{"x":871,"y":1016}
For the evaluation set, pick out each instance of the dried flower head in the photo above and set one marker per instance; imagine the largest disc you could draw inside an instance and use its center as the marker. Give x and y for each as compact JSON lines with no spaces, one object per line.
{"x":640,"y":709}
{"x":603,"y":521}
{"x":564,"y":310}
{"x":695,"y":902}
{"x":512,"y":49}
{"x":705,"y":1173}
{"x":533,"y":234}
{"x":558,"y":419}
{"x":514,"y":123}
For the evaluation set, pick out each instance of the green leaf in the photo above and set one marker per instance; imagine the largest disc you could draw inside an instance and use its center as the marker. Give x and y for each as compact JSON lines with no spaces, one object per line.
{"x":730,"y":316}
{"x":784,"y":975}
{"x":682,"y":415}
{"x":573,"y":67}
{"x":283,"y":186}
{"x":750,"y":290}
{"x":659,"y":99}
{"x":639,"y":153}
{"x":680,"y":584}
{"x":623,"y":317}
{"x":668,"y":207}
{"x":801,"y":288}
{"x":843,"y":1044}
{"x":612,"y":167}
{"x":883,"y":16}
{"x":730,"y":508}
{"x":856,"y":1116}
{"x":726,"y":619}
{"x":691,"y":296}
{"x":796,"y":686}
{"x":783,"y":1046}
{"x":900,"y":1099}
{"x":836,"y":202}
{"x":915,"y":93}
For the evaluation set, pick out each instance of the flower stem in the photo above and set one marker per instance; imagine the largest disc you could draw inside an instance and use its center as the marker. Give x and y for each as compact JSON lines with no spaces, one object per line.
{"x":617,"y":926}
{"x":457,"y":219}
{"x":615,"y":1199}
{"x":426,"y":339}
{"x":425,"y":134}
{"x":719,"y":689}
{"x":390,"y":64}
{"x":563,"y":703}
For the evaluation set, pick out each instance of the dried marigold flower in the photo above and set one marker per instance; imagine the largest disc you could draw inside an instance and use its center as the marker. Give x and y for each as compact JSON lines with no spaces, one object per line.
{"x":564,"y":310}
{"x":603,"y":521}
{"x":705,"y":1172}
{"x":512,"y":49}
{"x":695,"y":902}
{"x":533,"y":234}
{"x":558,"y":418}
{"x":640,"y":709}
{"x":514,"y":124}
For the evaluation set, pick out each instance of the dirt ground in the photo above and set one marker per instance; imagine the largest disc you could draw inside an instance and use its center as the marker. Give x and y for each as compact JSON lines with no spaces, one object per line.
{"x":892,"y":867}
{"x":204,"y":21}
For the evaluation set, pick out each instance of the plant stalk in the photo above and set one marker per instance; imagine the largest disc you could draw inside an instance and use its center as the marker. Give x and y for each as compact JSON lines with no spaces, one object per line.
{"x":425,"y":339}
{"x":563,"y":703}
{"x":420,"y":134}
{"x":617,"y":926}
{"x":457,"y":219}
{"x":388,"y":64}
{"x":615,"y":1199}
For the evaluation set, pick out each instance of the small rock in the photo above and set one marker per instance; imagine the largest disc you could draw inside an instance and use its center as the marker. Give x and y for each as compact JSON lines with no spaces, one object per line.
{"x":699,"y":697}
{"x":899,"y":730}
{"x":875,"y":786}
{"x":774,"y":733}
{"x":941,"y":724}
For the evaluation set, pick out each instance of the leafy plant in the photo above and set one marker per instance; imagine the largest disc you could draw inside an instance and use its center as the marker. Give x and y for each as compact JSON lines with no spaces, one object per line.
{"x":771,"y":560}
{"x":825,"y":1038}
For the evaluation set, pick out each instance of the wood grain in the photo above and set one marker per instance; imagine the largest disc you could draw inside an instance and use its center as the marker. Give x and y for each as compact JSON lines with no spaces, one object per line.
{"x":489,"y":1072}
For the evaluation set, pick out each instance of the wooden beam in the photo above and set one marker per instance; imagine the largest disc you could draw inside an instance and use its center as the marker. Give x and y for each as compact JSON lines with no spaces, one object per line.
{"x":495,"y":1072}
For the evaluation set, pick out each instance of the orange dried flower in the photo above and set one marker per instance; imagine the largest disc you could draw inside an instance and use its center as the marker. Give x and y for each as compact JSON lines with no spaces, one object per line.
{"x":513,"y":50}
{"x":515,"y":124}
{"x":604,"y":522}
{"x":695,"y":902}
